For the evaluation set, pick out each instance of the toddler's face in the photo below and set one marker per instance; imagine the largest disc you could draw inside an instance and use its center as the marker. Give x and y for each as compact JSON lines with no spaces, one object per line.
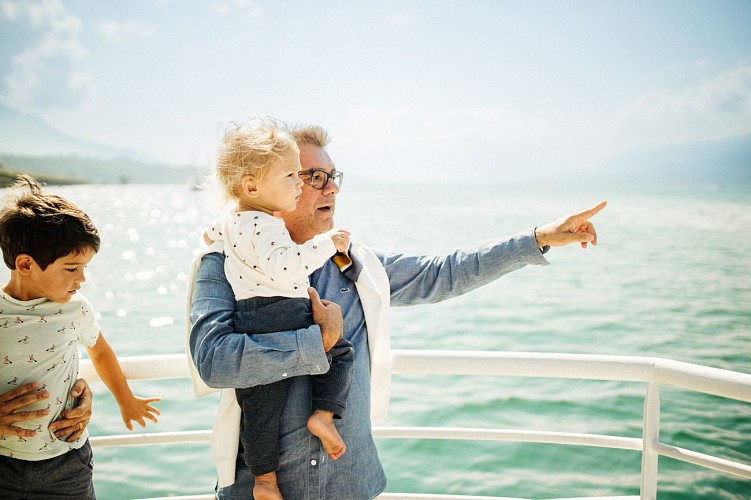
{"x":280,"y":189}
{"x":62,"y":278}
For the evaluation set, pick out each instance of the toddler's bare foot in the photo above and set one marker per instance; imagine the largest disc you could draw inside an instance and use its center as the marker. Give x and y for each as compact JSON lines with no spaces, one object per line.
{"x":266,"y":488}
{"x":321,"y":425}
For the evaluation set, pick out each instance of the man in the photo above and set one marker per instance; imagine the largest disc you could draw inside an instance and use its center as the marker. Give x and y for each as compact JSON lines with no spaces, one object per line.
{"x":356,"y":297}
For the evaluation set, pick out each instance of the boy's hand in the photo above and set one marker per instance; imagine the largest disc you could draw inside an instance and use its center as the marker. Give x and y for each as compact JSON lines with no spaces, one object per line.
{"x":16,"y":399}
{"x":340,"y":237}
{"x":138,"y":409}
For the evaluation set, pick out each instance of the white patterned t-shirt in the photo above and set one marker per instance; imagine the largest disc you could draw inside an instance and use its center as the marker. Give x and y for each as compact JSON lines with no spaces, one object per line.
{"x":262,"y":260}
{"x":39,"y":343}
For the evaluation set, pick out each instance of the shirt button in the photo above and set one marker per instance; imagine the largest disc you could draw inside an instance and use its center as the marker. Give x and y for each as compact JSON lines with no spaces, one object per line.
{"x":313,"y":462}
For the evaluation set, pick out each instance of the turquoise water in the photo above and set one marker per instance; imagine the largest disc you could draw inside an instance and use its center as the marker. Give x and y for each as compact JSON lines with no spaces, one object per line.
{"x":670,"y":278}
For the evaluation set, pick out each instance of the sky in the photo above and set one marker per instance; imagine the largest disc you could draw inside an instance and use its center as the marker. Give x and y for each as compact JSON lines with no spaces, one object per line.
{"x":408,"y":89}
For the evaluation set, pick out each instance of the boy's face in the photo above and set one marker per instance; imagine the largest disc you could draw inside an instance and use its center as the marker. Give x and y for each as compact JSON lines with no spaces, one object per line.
{"x":62,"y":278}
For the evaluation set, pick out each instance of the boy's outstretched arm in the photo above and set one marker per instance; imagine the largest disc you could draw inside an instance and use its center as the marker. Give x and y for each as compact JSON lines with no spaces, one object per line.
{"x":131,"y":407}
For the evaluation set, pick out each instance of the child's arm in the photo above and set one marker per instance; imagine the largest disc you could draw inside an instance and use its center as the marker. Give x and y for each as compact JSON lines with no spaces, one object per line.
{"x":284,"y":260}
{"x":131,"y":407}
{"x":214,"y":232}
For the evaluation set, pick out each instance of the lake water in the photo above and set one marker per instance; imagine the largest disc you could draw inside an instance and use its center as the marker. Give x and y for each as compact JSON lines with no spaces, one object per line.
{"x":670,"y":278}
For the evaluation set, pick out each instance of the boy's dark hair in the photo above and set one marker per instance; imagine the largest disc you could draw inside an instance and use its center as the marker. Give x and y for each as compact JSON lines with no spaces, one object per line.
{"x":44,"y":226}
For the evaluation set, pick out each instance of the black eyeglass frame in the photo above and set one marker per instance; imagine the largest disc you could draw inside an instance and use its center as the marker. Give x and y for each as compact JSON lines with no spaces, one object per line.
{"x":336,"y":175}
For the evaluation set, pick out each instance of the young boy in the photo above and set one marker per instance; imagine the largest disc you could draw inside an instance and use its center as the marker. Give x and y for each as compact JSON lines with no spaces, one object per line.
{"x":258,"y":166}
{"x":47,"y":242}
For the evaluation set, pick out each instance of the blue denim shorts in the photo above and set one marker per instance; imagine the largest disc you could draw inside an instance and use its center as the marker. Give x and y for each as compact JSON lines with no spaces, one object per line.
{"x":68,"y":476}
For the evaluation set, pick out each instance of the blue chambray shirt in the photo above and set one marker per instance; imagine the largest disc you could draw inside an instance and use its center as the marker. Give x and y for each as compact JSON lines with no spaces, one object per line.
{"x":225,"y":359}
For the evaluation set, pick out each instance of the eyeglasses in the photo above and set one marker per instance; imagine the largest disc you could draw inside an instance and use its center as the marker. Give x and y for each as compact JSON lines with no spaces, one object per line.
{"x":319,"y":178}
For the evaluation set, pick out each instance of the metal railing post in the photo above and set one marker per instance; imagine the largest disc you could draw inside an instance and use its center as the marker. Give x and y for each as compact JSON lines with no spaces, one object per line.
{"x":650,"y":438}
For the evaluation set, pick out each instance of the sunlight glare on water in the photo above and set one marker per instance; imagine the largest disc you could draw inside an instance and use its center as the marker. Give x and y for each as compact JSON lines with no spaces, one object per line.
{"x":669,"y":278}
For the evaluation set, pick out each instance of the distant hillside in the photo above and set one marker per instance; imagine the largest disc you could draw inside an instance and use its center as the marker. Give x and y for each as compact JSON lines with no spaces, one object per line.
{"x":99,"y":171}
{"x":8,"y":177}
{"x":27,"y":134}
{"x":29,"y":144}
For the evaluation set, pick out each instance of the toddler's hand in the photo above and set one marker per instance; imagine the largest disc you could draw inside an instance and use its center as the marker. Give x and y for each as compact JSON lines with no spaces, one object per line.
{"x":137,"y":409}
{"x":340,"y":237}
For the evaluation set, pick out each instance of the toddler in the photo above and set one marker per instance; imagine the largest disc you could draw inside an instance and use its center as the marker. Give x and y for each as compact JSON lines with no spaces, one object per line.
{"x":258,"y":165}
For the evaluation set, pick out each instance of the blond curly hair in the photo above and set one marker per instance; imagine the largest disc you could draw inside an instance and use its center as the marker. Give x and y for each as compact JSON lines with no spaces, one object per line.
{"x":250,"y":148}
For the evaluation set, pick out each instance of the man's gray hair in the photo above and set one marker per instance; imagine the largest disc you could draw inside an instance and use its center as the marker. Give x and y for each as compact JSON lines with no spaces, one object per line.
{"x":314,"y":135}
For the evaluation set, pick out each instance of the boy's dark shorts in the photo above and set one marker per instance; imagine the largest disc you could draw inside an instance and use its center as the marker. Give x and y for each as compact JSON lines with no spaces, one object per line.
{"x":68,"y":476}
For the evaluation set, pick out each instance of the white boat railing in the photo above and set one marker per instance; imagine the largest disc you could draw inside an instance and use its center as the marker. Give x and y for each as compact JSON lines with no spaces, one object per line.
{"x":653,"y":372}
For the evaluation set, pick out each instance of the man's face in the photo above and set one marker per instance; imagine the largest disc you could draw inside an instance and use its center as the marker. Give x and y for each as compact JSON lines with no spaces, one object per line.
{"x":315,"y":208}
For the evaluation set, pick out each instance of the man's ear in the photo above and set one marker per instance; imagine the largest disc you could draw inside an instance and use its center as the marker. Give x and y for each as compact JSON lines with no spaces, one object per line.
{"x":24,"y":263}
{"x":249,"y":186}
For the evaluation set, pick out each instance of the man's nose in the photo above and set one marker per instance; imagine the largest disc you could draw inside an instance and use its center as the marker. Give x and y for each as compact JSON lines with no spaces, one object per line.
{"x":331,"y":187}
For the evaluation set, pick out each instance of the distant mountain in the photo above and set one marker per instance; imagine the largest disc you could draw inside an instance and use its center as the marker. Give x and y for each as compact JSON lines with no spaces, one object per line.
{"x":29,"y":144}
{"x":27,"y":134}
{"x":120,"y":170}
{"x":8,"y":177}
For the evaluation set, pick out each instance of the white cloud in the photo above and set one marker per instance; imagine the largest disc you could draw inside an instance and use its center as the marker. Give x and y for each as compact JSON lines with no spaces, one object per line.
{"x":715,"y":108}
{"x":113,"y":31}
{"x":400,"y":19}
{"x":45,"y":74}
{"x":702,"y":63}
{"x":226,"y":7}
{"x":10,"y":10}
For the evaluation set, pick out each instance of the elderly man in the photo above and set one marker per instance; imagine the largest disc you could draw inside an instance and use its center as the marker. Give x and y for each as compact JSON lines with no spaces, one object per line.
{"x":352,"y":299}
